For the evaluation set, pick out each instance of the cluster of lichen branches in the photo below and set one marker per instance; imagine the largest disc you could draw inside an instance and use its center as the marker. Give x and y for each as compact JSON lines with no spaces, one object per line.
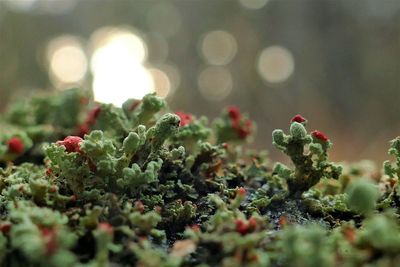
{"x":308,"y":153}
{"x":90,"y":184}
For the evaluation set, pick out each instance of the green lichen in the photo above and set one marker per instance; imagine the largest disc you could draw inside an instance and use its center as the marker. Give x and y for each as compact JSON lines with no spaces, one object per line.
{"x":142,"y":186}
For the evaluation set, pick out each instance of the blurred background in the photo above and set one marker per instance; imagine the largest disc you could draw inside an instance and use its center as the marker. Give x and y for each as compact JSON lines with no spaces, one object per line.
{"x":335,"y":62}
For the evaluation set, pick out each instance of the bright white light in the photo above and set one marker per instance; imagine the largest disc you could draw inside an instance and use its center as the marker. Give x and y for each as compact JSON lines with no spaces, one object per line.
{"x":117,"y":67}
{"x":123,"y":45}
{"x":67,"y":60}
{"x":115,"y":87}
{"x":275,"y":64}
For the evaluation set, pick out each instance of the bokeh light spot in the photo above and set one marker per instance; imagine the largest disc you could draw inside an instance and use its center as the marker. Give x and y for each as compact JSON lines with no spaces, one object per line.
{"x":115,"y":87}
{"x":162,"y":84}
{"x":215,"y":83}
{"x":173,"y":75}
{"x":122,"y":42}
{"x":218,"y":47}
{"x":20,"y":5}
{"x":55,"y":7}
{"x":67,"y":60}
{"x":275,"y":64}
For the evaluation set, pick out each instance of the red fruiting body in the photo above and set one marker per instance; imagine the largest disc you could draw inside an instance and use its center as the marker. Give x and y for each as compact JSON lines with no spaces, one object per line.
{"x":320,"y":136}
{"x":298,"y":118}
{"x":15,"y":145}
{"x":242,"y":129}
{"x":139,"y":206}
{"x":71,"y":144}
{"x":241,"y":192}
{"x":244,"y":227}
{"x":93,"y":115}
{"x":225,"y":145}
{"x":143,"y":237}
{"x":5,"y":227}
{"x":53,"y":189}
{"x":241,"y":226}
{"x":157,"y":209}
{"x":234,"y":113}
{"x":252,"y":223}
{"x":185,"y":118}
{"x":106,"y":227}
{"x":72,"y":198}
{"x":245,"y":130}
{"x":82,"y":130}
{"x":195,"y":227}
{"x":50,"y":239}
{"x":282,"y":220}
{"x":350,"y":234}
{"x":91,"y":118}
{"x":49,"y":171}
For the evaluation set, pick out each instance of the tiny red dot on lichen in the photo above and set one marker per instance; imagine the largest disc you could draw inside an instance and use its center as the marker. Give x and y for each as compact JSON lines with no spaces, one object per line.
{"x":282,"y":220}
{"x":185,"y":118}
{"x":298,"y":118}
{"x":53,"y":189}
{"x":241,"y":192}
{"x":106,"y":227}
{"x":320,"y":136}
{"x":195,"y":227}
{"x":139,"y":206}
{"x":49,"y":171}
{"x":157,"y":209}
{"x":49,"y":236}
{"x":15,"y":145}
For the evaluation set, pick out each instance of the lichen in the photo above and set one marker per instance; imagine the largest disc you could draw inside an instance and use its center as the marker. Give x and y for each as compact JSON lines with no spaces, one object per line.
{"x":90,"y":184}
